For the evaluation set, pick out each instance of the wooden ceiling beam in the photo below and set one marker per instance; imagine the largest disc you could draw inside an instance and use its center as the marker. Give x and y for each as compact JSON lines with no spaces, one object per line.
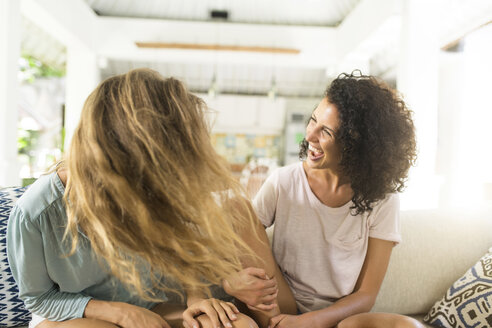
{"x":216,"y":47}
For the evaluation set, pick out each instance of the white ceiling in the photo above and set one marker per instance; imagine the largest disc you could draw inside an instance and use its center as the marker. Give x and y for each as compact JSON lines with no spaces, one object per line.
{"x":331,"y":35}
{"x":236,"y":79}
{"x":274,"y":12}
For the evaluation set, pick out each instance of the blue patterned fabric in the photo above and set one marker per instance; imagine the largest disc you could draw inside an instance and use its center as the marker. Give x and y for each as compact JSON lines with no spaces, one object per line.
{"x":12,"y":310}
{"x":468,"y":302}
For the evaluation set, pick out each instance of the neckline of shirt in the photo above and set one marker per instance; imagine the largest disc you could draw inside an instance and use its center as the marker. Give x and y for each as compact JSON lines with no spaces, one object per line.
{"x":58,"y":183}
{"x":315,"y":200}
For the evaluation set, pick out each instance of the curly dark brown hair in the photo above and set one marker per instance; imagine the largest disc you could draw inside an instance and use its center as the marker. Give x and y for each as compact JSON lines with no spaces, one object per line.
{"x":376,"y":137}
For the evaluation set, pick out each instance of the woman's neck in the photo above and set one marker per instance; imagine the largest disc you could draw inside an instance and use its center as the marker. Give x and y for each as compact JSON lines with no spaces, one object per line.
{"x":330,"y":187}
{"x":63,"y":175}
{"x":331,"y":179}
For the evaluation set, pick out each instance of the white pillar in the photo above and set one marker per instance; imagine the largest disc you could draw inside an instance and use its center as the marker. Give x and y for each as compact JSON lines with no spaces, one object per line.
{"x":82,"y":77}
{"x":10,"y":26}
{"x":475,"y":155}
{"x":452,"y":129}
{"x":417,"y":80}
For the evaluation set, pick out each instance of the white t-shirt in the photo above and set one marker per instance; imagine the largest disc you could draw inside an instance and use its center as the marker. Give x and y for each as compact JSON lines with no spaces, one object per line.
{"x":320,"y":249}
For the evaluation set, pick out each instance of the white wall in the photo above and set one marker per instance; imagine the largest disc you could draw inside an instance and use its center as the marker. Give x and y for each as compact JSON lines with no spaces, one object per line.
{"x":247,"y":114}
{"x":295,"y":127}
{"x":451,"y":84}
{"x":464,"y":154}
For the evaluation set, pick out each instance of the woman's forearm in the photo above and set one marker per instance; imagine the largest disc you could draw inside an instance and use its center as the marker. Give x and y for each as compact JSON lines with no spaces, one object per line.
{"x":285,"y":299}
{"x":123,"y":314}
{"x":358,"y":302}
{"x":193,"y":297}
{"x":261,"y":247}
{"x":103,"y":310}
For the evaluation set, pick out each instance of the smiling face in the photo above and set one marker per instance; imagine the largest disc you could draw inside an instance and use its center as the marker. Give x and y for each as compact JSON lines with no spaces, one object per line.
{"x":321,"y":133}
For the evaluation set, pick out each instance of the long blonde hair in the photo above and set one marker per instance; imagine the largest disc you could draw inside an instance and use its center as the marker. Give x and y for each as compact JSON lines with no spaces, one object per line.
{"x":146,"y":186}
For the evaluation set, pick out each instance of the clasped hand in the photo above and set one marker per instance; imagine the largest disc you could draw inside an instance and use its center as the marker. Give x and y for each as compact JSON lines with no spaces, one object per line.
{"x":219,"y":312}
{"x":254,"y":288}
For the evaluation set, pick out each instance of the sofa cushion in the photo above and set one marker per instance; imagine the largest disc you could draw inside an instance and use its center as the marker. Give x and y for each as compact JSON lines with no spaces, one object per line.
{"x":420,"y":318}
{"x":468,"y":302}
{"x":12,"y":310}
{"x":438,"y":247}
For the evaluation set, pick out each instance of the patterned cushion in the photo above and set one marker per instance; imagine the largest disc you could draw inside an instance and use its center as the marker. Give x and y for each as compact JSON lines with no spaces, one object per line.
{"x":468,"y":302}
{"x":12,"y":310}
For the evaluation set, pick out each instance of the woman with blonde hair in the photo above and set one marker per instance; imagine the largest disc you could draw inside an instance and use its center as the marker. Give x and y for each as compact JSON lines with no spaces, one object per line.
{"x":141,"y":210}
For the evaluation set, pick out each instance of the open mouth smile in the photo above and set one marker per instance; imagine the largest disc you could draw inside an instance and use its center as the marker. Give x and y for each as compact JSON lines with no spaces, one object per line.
{"x":315,"y":153}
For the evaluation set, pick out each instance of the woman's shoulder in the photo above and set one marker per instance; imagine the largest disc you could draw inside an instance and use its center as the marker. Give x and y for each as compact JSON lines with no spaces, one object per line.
{"x":287,"y":176}
{"x":391,"y":199}
{"x":389,"y":204}
{"x":288,"y":171}
{"x":44,"y":193}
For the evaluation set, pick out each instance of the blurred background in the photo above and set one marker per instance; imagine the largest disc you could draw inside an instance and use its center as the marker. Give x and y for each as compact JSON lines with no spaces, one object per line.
{"x":262,"y":66}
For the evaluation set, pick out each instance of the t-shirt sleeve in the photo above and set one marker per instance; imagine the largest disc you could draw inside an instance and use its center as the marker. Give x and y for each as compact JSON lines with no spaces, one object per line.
{"x":385,"y":220}
{"x":26,"y":259}
{"x":265,"y":201}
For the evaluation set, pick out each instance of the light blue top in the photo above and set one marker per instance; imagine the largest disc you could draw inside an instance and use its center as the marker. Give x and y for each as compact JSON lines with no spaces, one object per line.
{"x":52,"y":285}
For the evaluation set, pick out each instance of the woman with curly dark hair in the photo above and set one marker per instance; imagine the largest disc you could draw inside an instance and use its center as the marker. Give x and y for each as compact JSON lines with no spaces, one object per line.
{"x":336,"y":213}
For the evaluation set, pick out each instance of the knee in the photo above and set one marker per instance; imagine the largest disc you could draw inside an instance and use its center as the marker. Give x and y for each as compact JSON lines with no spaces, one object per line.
{"x":76,"y":323}
{"x":349,"y":322}
{"x":407,"y":322}
{"x":242,"y":321}
{"x":373,"y":320}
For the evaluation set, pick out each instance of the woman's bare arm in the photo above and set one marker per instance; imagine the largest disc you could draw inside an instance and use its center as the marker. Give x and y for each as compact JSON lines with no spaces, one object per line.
{"x":258,"y":241}
{"x":361,"y":300}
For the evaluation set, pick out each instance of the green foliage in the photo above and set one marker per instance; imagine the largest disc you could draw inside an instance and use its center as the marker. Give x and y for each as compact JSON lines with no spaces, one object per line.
{"x":299,"y":137}
{"x":62,"y":141}
{"x":27,"y":141}
{"x":31,"y":69}
{"x":28,"y":181}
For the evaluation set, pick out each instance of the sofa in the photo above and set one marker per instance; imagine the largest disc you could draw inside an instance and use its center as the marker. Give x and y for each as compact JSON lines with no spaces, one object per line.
{"x":437,"y":266}
{"x":438,"y":248}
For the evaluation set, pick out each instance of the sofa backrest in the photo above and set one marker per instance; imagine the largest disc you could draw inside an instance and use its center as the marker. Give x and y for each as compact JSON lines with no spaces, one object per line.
{"x":438,"y":248}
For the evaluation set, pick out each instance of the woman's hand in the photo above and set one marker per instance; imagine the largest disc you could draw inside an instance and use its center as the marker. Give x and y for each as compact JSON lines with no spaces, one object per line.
{"x":254,"y":288}
{"x":124,"y":315}
{"x":292,"y":321}
{"x":218,"y":311}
